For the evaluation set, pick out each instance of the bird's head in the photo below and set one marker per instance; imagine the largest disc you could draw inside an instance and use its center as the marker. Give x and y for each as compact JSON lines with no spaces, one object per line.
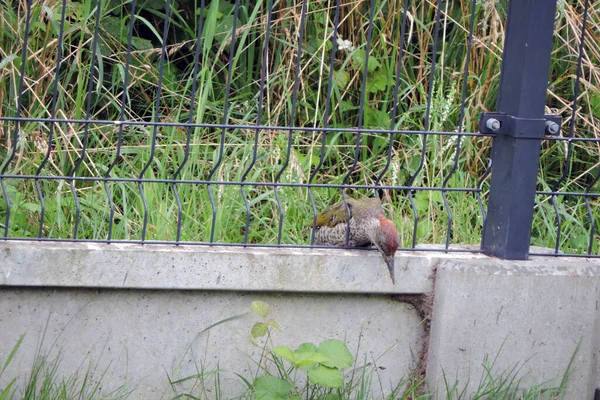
{"x":386,"y":240}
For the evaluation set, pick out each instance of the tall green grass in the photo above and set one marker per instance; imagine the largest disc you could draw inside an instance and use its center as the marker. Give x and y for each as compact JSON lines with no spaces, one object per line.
{"x":297,"y":151}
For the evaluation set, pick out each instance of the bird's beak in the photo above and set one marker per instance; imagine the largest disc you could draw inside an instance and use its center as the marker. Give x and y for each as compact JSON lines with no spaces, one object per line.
{"x":389,"y":260}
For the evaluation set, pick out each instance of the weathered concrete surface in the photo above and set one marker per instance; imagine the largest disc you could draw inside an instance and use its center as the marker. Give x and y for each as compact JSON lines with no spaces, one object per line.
{"x":211,"y":268}
{"x":94,"y":293}
{"x":146,"y":333}
{"x":532,"y":313}
{"x":142,"y":307}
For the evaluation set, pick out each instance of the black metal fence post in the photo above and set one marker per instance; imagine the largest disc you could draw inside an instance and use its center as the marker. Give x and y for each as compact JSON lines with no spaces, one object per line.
{"x":520,"y":124}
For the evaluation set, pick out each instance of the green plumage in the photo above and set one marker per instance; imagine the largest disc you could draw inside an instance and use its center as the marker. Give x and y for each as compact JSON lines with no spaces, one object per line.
{"x":359,"y":209}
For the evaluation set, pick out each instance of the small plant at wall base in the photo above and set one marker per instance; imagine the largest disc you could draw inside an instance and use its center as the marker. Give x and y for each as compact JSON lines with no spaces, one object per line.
{"x":323,"y":364}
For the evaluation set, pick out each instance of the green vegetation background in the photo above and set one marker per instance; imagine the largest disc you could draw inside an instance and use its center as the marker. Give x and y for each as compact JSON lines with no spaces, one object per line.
{"x":281,"y":156}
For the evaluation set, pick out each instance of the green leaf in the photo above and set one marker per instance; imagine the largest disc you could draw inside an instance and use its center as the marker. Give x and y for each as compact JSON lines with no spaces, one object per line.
{"x":4,"y":395}
{"x":578,"y":241}
{"x":36,"y":208}
{"x":285,"y":352}
{"x":153,"y":4}
{"x":309,"y":359}
{"x":271,"y":388}
{"x":12,"y":353}
{"x":377,"y":83}
{"x":421,"y":200}
{"x":261,"y":308}
{"x":258,"y":330}
{"x":325,"y":376}
{"x":140,"y":44}
{"x":7,"y":60}
{"x":306,"y":347}
{"x":595,"y":105}
{"x":341,"y":78}
{"x":274,"y":324}
{"x":223,"y":321}
{"x":377,"y":118}
{"x":337,"y":352}
{"x":347,"y":106}
{"x":358,"y":61}
{"x":424,"y":228}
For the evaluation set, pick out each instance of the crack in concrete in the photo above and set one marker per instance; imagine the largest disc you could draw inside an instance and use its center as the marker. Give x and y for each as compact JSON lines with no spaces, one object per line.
{"x":423,"y":304}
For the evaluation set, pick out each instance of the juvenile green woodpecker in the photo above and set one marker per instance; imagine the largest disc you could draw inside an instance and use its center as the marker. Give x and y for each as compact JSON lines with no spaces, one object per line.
{"x":368,"y":226}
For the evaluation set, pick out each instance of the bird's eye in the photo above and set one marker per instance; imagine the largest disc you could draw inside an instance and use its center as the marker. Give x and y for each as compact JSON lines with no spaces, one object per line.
{"x":332,"y":218}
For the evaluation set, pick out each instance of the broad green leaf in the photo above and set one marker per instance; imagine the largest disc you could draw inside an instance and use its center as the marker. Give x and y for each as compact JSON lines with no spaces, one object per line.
{"x":341,"y":78}
{"x":258,"y":330}
{"x":285,"y":352}
{"x":325,"y":376}
{"x":140,"y":44}
{"x":358,"y":61}
{"x":337,"y":352}
{"x":308,"y":360}
{"x":377,"y":118}
{"x":36,"y":208}
{"x":378,"y":82}
{"x":261,"y":308}
{"x":306,"y":347}
{"x":270,"y":387}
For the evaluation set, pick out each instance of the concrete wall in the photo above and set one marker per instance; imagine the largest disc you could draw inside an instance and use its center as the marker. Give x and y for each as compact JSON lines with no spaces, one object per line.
{"x":538,"y":314}
{"x":143,"y":308}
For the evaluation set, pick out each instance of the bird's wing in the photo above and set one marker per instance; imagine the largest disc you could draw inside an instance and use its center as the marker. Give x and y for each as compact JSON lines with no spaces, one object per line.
{"x":367,"y":208}
{"x":335,"y":214}
{"x":359,"y":209}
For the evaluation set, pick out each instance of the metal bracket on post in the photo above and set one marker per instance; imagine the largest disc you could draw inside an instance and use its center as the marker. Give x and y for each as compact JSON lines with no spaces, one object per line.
{"x":522,"y":128}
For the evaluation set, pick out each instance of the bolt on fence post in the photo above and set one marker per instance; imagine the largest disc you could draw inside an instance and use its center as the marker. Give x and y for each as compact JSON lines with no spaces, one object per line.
{"x":515,"y":158}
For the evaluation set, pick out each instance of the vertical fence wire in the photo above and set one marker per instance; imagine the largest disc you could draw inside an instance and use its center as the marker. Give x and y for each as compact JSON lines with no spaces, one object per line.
{"x":334,"y":38}
{"x":53,"y":109}
{"x":292,"y":119}
{"x":217,"y":164}
{"x":413,"y":178}
{"x":124,"y":100}
{"x":461,"y":117}
{"x":567,"y":163}
{"x":590,"y":214}
{"x":259,"y":113}
{"x":188,"y":136}
{"x":161,"y":71}
{"x":482,"y":178}
{"x":396,"y":90}
{"x":15,"y":135}
{"x":86,"y":124}
{"x":361,"y":115}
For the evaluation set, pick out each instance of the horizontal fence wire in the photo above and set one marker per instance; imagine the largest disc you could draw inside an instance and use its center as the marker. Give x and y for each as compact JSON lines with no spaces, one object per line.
{"x":236,"y":123}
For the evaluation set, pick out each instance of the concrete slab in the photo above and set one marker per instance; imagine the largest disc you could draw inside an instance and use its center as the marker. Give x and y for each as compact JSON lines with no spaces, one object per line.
{"x":211,"y":268}
{"x":143,"y":306}
{"x":530,"y":314}
{"x":151,"y":335}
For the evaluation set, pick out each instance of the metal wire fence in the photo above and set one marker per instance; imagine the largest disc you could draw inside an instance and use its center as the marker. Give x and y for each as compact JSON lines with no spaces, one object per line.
{"x":235,"y":122}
